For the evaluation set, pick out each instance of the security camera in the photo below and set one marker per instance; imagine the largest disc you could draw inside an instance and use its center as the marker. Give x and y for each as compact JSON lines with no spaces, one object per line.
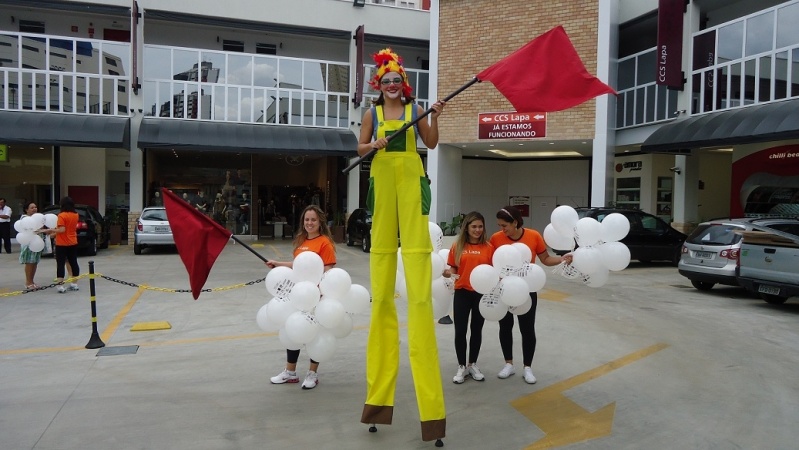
{"x":676,"y":170}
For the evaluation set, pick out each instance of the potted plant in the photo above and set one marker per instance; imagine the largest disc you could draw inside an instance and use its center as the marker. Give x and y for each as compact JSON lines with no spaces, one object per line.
{"x":116,"y":219}
{"x":338,"y":227}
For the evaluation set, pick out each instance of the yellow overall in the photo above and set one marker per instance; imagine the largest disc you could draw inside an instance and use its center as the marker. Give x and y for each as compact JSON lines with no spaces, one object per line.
{"x":399,"y":196}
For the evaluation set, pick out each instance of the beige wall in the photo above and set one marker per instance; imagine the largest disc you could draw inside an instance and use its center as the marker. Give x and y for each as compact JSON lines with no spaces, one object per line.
{"x":474,"y":34}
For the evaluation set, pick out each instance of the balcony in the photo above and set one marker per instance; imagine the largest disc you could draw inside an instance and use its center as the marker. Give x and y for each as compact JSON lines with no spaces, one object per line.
{"x":641,"y":101}
{"x":64,"y":74}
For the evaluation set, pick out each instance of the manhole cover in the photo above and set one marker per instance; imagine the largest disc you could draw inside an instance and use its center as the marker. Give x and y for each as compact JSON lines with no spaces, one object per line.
{"x":121,"y":350}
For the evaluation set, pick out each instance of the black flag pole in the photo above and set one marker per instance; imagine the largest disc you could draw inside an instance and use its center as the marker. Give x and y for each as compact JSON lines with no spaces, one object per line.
{"x":371,"y":152}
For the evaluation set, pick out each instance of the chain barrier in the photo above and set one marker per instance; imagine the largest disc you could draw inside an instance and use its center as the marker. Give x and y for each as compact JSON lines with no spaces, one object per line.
{"x":134,"y":285}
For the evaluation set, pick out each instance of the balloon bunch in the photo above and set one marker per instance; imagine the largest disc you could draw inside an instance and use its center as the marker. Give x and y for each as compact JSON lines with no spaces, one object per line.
{"x":311,"y":307}
{"x":28,"y":226}
{"x":599,"y":250}
{"x":443,"y":288}
{"x":506,"y":283}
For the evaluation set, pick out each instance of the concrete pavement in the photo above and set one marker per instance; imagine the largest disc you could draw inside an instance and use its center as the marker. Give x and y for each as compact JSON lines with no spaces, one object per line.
{"x":662,"y":365}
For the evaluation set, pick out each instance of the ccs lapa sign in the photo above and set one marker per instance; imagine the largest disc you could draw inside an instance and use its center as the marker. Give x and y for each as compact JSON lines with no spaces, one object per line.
{"x":512,"y":125}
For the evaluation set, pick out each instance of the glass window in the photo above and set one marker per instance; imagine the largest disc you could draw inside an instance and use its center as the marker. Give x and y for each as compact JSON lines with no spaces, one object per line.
{"x":157,"y":63}
{"x":313,"y":75}
{"x":290,"y":74}
{"x":239,"y":70}
{"x":8,"y":51}
{"x":735,"y":85}
{"x":640,"y":102}
{"x":626,"y":78}
{"x":661,"y":112}
{"x":629,"y":108}
{"x":33,"y":53}
{"x":185,"y":65}
{"x":219,"y":103}
{"x":109,"y":96}
{"x":647,"y":67}
{"x":787,"y":29}
{"x":233,"y":104}
{"x":794,"y":73}
{"x":759,"y":33}
{"x":117,"y":55}
{"x":780,"y":75}
{"x":649,"y":115}
{"x":620,"y":110}
{"x":86,"y":58}
{"x":265,"y":71}
{"x":213,"y":64}
{"x":246,"y":105}
{"x":765,"y":79}
{"x":731,"y":39}
{"x":749,"y":82}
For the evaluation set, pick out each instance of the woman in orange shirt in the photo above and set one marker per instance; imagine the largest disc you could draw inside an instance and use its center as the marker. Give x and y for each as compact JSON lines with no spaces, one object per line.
{"x":511,"y":230}
{"x":314,"y":237}
{"x":470,"y":249}
{"x":66,"y":241}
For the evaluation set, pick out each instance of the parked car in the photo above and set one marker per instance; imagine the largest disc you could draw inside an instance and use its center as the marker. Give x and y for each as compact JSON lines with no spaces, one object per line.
{"x":650,"y":237}
{"x":152,"y":229}
{"x":359,"y":229}
{"x":93,"y":229}
{"x":710,"y":253}
{"x":767,"y":265}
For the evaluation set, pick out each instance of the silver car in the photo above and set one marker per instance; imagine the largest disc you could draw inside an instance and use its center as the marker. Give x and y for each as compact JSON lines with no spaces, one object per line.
{"x":711,"y":251}
{"x":152,"y":229}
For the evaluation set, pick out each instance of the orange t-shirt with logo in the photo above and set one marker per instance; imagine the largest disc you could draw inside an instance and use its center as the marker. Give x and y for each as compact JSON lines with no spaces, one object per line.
{"x":320,"y":245}
{"x":473,"y":255}
{"x":68,"y":220}
{"x":530,"y":238}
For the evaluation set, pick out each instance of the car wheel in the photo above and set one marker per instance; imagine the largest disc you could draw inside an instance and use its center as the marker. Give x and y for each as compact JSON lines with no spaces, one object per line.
{"x":91,"y":250}
{"x":350,"y":241}
{"x":773,"y":299}
{"x":366,"y":244}
{"x":703,"y":285}
{"x":136,"y":249}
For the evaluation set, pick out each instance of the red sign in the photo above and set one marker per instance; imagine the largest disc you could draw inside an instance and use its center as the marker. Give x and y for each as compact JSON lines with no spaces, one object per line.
{"x":669,"y":43}
{"x":512,"y":125}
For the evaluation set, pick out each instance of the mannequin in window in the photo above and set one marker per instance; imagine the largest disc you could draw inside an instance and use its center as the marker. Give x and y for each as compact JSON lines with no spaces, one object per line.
{"x":219,"y":207}
{"x":186,"y":198}
{"x":157,"y":200}
{"x":244,"y":215}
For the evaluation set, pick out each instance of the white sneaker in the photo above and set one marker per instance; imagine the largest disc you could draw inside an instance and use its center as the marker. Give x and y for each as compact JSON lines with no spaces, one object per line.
{"x":311,"y":380}
{"x":73,"y":287}
{"x":285,"y":377}
{"x":475,"y":373}
{"x":61,"y":289}
{"x":460,"y":376}
{"x":506,"y":371}
{"x":528,"y":375}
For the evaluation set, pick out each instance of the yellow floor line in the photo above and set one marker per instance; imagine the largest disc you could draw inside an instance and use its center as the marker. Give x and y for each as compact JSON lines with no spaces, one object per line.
{"x":117,"y":320}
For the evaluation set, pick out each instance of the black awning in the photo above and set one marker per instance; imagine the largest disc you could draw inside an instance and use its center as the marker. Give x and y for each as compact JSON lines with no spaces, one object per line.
{"x":241,"y":137}
{"x":760,"y":123}
{"x":76,"y":130}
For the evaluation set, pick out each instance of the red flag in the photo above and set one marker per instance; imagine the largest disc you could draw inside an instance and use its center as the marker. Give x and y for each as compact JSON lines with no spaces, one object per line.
{"x":545,"y":75}
{"x":199,"y":239}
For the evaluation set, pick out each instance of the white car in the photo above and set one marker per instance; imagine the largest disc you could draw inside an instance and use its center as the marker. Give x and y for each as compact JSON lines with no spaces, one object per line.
{"x":152,"y":229}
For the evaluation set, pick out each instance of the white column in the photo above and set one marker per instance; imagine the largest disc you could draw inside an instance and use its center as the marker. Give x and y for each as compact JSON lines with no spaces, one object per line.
{"x":603,"y":151}
{"x":434,"y":167}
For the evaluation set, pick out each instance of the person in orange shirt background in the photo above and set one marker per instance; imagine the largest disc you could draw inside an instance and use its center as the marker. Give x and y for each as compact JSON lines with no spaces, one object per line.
{"x":66,"y":241}
{"x":471,"y":248}
{"x":314,"y":236}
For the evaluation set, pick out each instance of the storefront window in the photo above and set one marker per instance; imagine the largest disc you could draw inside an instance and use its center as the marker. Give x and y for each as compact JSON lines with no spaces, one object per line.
{"x":25,"y":175}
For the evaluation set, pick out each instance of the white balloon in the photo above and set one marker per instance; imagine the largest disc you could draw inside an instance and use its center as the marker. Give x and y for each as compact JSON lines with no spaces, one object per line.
{"x":513,"y":291}
{"x":564,"y":218}
{"x":441,"y":307}
{"x":440,"y":291}
{"x":335,"y":283}
{"x":279,"y":309}
{"x":615,"y":255}
{"x":570,"y":272}
{"x":50,"y":220}
{"x":288,"y":343}
{"x":28,"y":224}
{"x":522,"y":309}
{"x":329,"y":313}
{"x":36,"y":244}
{"x":615,"y":227}
{"x":438,"y":265}
{"x":491,"y":308}
{"x":436,"y":236}
{"x":344,"y":328}
{"x":524,"y":250}
{"x":534,"y":276}
{"x":38,"y":220}
{"x":507,"y":260}
{"x":587,"y":259}
{"x":357,"y":300}
{"x":24,"y":237}
{"x":557,"y":240}
{"x":483,"y":278}
{"x":18,"y":226}
{"x":597,"y":278}
{"x":279,"y":281}
{"x":587,"y":231}
{"x":262,"y":319}
{"x":308,"y":266}
{"x":301,"y":327}
{"x":304,"y":296}
{"x":444,"y":253}
{"x":323,"y":347}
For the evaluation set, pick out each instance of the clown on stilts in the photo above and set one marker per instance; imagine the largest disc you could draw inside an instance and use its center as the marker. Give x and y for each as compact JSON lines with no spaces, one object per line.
{"x":399,"y":198}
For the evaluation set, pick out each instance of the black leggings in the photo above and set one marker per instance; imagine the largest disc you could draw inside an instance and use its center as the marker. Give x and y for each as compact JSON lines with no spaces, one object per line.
{"x":64,"y":254}
{"x":526,"y":326}
{"x":464,"y":303}
{"x":293,"y":355}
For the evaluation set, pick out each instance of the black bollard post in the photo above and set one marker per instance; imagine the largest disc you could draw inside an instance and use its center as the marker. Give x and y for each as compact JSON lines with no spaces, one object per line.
{"x":94,"y":341}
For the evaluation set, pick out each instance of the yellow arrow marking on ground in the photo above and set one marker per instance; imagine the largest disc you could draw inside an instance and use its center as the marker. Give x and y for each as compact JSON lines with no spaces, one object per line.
{"x":565,"y":422}
{"x":553,"y":295}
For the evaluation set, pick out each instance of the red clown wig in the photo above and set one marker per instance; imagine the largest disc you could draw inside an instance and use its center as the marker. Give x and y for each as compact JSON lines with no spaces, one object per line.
{"x":387,"y":61}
